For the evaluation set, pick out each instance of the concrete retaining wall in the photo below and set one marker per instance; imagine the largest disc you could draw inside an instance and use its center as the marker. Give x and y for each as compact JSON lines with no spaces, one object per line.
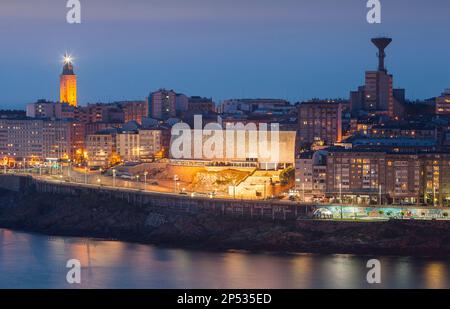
{"x":15,"y":183}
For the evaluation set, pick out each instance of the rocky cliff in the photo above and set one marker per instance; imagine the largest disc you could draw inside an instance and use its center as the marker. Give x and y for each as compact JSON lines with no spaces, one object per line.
{"x":92,"y":216}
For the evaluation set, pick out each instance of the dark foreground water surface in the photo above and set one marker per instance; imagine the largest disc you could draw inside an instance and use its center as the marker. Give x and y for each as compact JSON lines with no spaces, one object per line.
{"x":36,"y":261}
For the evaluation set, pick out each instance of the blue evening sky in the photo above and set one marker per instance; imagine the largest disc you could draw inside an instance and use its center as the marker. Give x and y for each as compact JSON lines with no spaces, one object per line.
{"x":292,"y":49}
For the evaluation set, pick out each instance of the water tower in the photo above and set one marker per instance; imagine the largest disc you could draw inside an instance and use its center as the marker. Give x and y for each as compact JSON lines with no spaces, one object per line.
{"x":381,"y":44}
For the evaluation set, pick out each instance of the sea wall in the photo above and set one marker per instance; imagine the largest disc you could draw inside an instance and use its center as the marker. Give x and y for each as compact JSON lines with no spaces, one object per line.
{"x":274,"y":210}
{"x":15,"y":183}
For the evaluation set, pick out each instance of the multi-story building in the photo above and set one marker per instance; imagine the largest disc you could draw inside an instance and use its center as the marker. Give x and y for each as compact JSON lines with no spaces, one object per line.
{"x":355,"y":176}
{"x":77,"y":139}
{"x":100,"y":147}
{"x":98,"y":112}
{"x":52,"y":110}
{"x":435,"y":185}
{"x":154,"y":142}
{"x":320,"y":121}
{"x":162,"y":104}
{"x":397,"y":144}
{"x":250,"y":105}
{"x":181,"y":102}
{"x":443,"y":103}
{"x":21,"y":139}
{"x":56,"y":136}
{"x":40,"y":140}
{"x":403,"y":178}
{"x":310,"y":176}
{"x":94,"y":127}
{"x":404,"y":130}
{"x":134,"y":110}
{"x":199,"y":105}
{"x":127,"y":145}
{"x":378,"y":177}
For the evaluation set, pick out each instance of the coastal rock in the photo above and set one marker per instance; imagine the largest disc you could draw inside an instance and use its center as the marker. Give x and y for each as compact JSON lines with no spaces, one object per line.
{"x":96,"y":216}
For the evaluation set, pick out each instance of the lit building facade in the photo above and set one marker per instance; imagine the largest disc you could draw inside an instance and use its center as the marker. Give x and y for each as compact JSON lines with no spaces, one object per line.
{"x":128,"y":146}
{"x":40,"y":140}
{"x":355,"y":176}
{"x":21,"y":139}
{"x":320,"y":121}
{"x":310,"y":176}
{"x":381,"y":177}
{"x":100,"y":148}
{"x":435,"y":185}
{"x":443,"y":103}
{"x":235,"y":146}
{"x":153,"y":143}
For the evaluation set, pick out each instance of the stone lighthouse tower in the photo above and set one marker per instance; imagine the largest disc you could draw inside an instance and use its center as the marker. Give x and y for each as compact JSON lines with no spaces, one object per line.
{"x":68,"y":83}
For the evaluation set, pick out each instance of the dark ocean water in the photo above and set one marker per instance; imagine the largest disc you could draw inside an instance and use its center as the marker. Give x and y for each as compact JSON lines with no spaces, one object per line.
{"x":37,"y":261}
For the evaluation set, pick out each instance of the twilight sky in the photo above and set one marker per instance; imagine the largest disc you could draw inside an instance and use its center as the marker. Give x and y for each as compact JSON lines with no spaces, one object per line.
{"x":293,"y":49}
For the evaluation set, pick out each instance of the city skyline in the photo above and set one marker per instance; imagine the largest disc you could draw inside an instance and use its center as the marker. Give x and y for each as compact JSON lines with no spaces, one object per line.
{"x":280,"y":60}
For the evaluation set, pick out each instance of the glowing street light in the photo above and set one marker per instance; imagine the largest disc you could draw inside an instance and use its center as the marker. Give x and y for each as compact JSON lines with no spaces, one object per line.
{"x":114,"y":177}
{"x":145,"y":179}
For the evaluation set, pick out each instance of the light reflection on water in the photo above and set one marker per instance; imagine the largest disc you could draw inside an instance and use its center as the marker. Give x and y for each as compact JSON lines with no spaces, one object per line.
{"x":36,"y":261}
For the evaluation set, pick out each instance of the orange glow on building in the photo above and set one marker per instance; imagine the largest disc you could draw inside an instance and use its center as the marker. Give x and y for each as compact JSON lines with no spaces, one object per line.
{"x":68,"y":83}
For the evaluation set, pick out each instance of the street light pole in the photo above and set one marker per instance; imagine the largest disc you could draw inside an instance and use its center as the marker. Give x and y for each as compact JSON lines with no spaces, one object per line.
{"x":145,"y":180}
{"x":68,"y":170}
{"x":379,"y":199}
{"x":114,"y":178}
{"x":85,"y":175}
{"x":434,"y":195}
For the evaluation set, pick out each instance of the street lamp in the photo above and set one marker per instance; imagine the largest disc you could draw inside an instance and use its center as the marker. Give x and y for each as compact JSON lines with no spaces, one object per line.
{"x":114,"y":177}
{"x":68,"y":169}
{"x":85,"y":175}
{"x":379,"y":198}
{"x":145,"y":180}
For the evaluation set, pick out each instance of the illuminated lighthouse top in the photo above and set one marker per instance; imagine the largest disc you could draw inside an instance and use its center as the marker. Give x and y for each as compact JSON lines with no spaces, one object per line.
{"x":68,"y":67}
